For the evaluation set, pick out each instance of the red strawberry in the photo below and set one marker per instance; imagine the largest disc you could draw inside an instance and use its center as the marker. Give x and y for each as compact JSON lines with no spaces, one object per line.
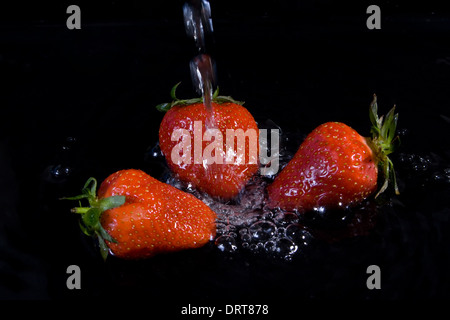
{"x":336,"y":167}
{"x":137,"y":216}
{"x":219,"y":179}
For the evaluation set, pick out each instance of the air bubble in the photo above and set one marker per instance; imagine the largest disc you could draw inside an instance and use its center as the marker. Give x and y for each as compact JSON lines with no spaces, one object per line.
{"x":226,"y":243}
{"x":270,"y":247}
{"x":298,"y":234}
{"x":231,"y":228}
{"x":280,"y":247}
{"x":262,"y":230}
{"x":253,"y":195}
{"x":246,"y":237}
{"x":285,"y":218}
{"x":284,"y":247}
{"x":221,"y":228}
{"x":232,"y":234}
{"x":281,"y":231}
{"x":243,"y":231}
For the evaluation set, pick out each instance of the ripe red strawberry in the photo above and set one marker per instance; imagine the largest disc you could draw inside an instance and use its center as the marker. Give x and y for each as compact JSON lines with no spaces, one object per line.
{"x":336,"y":167}
{"x":219,"y":179}
{"x":136,"y":216}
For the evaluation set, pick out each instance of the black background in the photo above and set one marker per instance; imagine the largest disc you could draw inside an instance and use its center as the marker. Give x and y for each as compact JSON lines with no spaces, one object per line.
{"x":84,"y":100}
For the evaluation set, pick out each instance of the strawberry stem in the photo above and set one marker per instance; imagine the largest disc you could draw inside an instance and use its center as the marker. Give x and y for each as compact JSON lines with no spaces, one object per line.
{"x":164,"y":107}
{"x":80,"y":210}
{"x":90,"y":215}
{"x":384,"y":142}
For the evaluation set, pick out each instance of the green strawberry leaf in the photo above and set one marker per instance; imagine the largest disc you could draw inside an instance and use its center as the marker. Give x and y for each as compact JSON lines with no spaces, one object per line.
{"x":79,"y":197}
{"x":105,"y":235}
{"x":164,"y":107}
{"x":174,"y":89}
{"x":225,"y":99}
{"x":84,"y":229}
{"x":90,"y":216}
{"x":104,"y":250}
{"x":216,"y":93}
{"x":93,"y":189}
{"x":111,"y":202}
{"x":383,"y":143}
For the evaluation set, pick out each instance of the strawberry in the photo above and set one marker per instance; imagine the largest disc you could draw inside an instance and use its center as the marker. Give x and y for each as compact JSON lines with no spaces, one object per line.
{"x":136,"y":216}
{"x":336,"y":167}
{"x":219,"y":178}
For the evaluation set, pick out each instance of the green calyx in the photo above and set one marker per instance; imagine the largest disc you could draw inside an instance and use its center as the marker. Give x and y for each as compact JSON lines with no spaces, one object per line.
{"x":164,"y":107}
{"x":384,"y":142}
{"x":90,"y":215}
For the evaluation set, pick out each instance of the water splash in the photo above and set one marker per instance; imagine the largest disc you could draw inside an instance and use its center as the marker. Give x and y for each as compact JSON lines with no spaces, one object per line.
{"x":247,"y":225}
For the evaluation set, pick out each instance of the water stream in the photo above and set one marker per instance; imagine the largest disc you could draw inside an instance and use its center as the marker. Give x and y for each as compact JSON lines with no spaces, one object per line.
{"x":198,"y":23}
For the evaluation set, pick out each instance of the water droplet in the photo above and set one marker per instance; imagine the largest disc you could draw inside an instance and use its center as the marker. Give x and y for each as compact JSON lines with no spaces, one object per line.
{"x":59,"y":171}
{"x":68,"y":143}
{"x":320,"y":210}
{"x":403,"y":132}
{"x":156,"y":152}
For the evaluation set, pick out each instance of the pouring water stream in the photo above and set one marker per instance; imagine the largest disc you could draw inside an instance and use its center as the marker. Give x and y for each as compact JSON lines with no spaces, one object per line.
{"x":197,"y":21}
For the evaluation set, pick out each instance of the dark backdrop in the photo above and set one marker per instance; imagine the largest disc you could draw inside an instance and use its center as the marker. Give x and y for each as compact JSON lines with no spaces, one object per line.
{"x":77,"y":103}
